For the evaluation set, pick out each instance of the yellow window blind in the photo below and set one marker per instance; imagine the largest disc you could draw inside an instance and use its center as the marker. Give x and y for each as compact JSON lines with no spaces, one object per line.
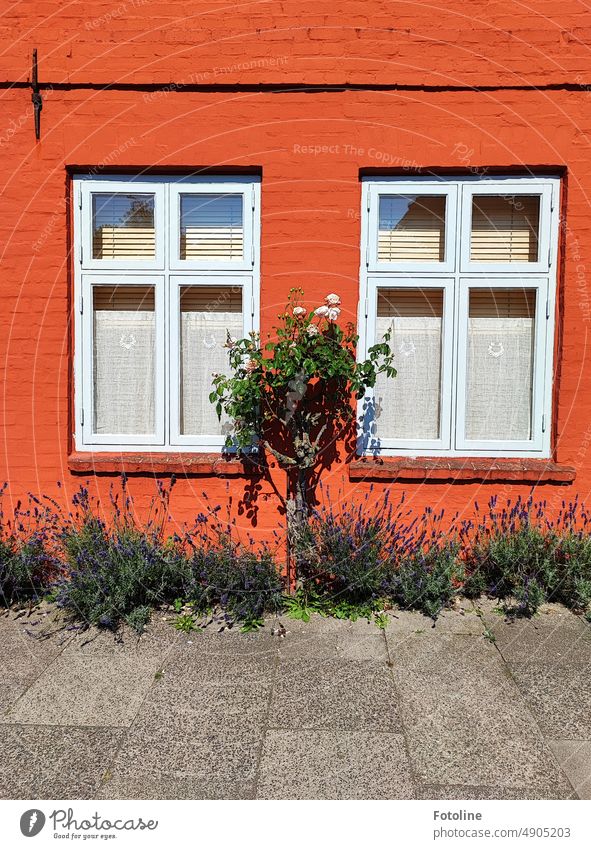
{"x":212,"y":227}
{"x":123,"y":226}
{"x":505,"y":229}
{"x":411,"y":228}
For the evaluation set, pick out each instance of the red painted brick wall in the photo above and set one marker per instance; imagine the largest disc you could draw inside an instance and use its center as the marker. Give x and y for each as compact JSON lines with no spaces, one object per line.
{"x":364,"y":41}
{"x":310,"y":201}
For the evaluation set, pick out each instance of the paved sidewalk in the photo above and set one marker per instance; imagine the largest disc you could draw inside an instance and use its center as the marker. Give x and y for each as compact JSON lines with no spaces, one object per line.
{"x":332,"y":710}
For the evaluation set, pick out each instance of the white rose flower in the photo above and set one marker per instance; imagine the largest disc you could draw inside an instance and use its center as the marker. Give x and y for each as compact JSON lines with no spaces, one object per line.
{"x":297,"y":311}
{"x":333,"y":313}
{"x":332,"y":300}
{"x":322,"y":311}
{"x":312,"y":330}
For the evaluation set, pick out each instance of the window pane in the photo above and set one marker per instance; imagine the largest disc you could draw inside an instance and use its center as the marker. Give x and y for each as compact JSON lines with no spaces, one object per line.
{"x":211,"y":227}
{"x":208,"y":314}
{"x":408,"y":406}
{"x":123,"y":226}
{"x":501,"y":330}
{"x":124,"y":359}
{"x":505,"y":228}
{"x":411,"y":228}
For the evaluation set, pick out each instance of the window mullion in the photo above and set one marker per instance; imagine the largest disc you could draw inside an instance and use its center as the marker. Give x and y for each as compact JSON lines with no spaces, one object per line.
{"x":455,"y":400}
{"x":166,"y":352}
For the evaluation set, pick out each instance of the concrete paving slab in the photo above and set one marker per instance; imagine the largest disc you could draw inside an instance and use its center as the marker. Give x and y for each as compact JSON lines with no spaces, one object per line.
{"x":515,"y":763}
{"x":574,"y":757}
{"x":461,"y":618}
{"x":303,"y":647}
{"x":460,"y":621}
{"x":206,"y":732}
{"x":314,"y":639}
{"x":27,"y":646}
{"x":77,"y":690}
{"x":469,"y":726}
{"x":26,"y":650}
{"x":11,"y":689}
{"x":176,"y":786}
{"x":187,"y":751}
{"x":559,"y":697}
{"x":344,"y":694}
{"x":448,"y":711}
{"x":155,"y":642}
{"x":232,"y":641}
{"x":550,"y":638}
{"x":201,"y":708}
{"x":190,"y":663}
{"x":216,"y":715}
{"x":332,"y":765}
{"x":37,"y":762}
{"x":407,"y":622}
{"x":493,"y":609}
{"x":354,"y":646}
{"x":441,"y":791}
{"x":442,"y":653}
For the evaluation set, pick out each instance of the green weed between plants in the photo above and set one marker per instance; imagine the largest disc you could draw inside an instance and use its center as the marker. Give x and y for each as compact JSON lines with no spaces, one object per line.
{"x":356,"y":563}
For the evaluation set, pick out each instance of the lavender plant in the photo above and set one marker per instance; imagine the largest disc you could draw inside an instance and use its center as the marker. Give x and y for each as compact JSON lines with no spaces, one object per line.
{"x":118,"y":571}
{"x":428,"y":580}
{"x":356,"y":560}
{"x":518,"y":554}
{"x":362,"y":557}
{"x":345,"y":552}
{"x":27,"y":561}
{"x":244,"y":584}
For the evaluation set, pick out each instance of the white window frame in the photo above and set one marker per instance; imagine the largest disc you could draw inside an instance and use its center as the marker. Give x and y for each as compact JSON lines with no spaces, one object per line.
{"x":219,"y":186}
{"x":447,"y":285}
{"x":461,"y":275}
{"x":89,"y":283}
{"x":248,"y":311}
{"x":163,"y":274}
{"x":432,"y":187}
{"x":493,"y":447}
{"x":544,"y":235}
{"x":89,"y":187}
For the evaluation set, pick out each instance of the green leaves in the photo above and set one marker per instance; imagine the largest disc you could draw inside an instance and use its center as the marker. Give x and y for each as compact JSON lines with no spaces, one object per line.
{"x":185,"y":622}
{"x":308,"y":364}
{"x":302,"y":604}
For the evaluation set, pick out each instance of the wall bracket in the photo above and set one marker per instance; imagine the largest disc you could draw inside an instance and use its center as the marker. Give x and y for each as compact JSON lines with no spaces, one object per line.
{"x":36,"y":96}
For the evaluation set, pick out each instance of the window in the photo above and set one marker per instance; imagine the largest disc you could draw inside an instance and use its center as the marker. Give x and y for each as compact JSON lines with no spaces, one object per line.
{"x":165,"y":270}
{"x":463,"y":275}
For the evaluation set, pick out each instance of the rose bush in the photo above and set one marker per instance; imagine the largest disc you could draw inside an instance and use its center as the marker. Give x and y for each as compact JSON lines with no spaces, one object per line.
{"x":294,"y":395}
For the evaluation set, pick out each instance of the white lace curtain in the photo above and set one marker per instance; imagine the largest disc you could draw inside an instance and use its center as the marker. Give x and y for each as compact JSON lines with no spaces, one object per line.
{"x":125,"y":357}
{"x":124,"y":371}
{"x":408,"y":406}
{"x":499,"y":378}
{"x":499,"y":368}
{"x":203,"y":335}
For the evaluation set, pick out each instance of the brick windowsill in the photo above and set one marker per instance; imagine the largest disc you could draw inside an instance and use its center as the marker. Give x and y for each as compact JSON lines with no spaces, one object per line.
{"x":462,"y":469}
{"x":217,"y":465}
